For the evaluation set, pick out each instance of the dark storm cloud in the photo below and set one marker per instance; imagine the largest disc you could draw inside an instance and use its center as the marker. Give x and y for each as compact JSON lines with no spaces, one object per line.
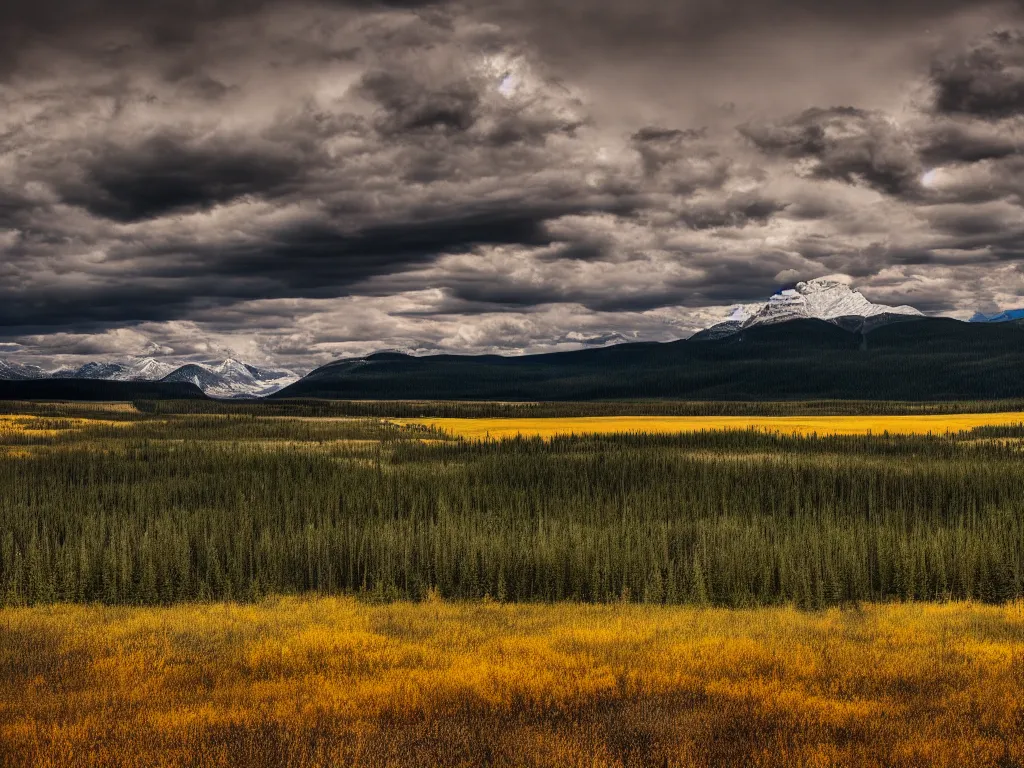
{"x":650,"y":26}
{"x":307,"y":258}
{"x":13,"y":208}
{"x":407,"y":107}
{"x":950,"y":142}
{"x":845,"y":144}
{"x":736,"y":211}
{"x":171,"y":174}
{"x":661,"y":147}
{"x":492,"y":175}
{"x":46,"y":18}
{"x":987,"y":81}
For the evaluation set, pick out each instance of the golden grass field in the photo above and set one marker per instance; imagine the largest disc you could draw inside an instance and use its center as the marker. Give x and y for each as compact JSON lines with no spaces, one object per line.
{"x":333,"y":682}
{"x":478,"y":429}
{"x":44,"y":426}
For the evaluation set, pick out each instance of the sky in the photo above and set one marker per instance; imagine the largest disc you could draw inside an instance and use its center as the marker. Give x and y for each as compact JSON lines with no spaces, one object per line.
{"x":291,"y":183}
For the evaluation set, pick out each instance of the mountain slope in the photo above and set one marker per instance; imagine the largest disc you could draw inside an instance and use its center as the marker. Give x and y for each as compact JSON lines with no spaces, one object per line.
{"x":920,"y":359}
{"x":93,"y":371}
{"x":1006,"y":316}
{"x":146,"y":369}
{"x":16,"y":371}
{"x":231,"y":378}
{"x":821,"y":299}
{"x":227,"y":378}
{"x":95,"y":390}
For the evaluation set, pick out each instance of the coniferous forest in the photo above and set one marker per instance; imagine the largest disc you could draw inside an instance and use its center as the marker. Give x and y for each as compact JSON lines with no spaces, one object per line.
{"x":136,"y":507}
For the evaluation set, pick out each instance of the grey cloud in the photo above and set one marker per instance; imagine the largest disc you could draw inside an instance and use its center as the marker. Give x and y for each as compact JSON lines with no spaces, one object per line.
{"x":335,"y":176}
{"x":408,"y":106}
{"x":170,"y":174}
{"x":650,"y":27}
{"x":845,"y":144}
{"x":309,"y":258}
{"x":734,"y":211}
{"x":952,"y":142}
{"x":660,"y":148}
{"x":986,"y":81}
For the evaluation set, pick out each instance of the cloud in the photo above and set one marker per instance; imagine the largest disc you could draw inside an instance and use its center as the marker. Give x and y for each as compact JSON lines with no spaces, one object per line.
{"x":844,"y":144}
{"x":406,"y":106}
{"x":986,"y":81}
{"x":166,"y":174}
{"x":959,"y":142}
{"x":295,"y":181}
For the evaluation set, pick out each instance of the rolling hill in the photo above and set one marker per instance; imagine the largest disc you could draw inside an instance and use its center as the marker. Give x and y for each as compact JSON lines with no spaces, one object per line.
{"x":96,"y":390}
{"x":915,"y":359}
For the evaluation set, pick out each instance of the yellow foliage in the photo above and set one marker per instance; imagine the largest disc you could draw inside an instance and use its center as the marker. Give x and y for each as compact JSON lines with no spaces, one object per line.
{"x":46,"y":426}
{"x":547,"y":428}
{"x":331,"y":682}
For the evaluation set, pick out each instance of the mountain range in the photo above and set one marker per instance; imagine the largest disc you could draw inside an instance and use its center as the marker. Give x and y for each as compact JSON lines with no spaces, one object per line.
{"x":1007,"y":316}
{"x":224,"y":379}
{"x":818,"y":339}
{"x":800,"y":359}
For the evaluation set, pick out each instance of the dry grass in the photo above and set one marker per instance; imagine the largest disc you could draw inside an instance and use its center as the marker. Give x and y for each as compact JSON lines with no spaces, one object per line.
{"x":803,"y":425}
{"x":332,"y":682}
{"x":49,"y":426}
{"x":91,"y":406}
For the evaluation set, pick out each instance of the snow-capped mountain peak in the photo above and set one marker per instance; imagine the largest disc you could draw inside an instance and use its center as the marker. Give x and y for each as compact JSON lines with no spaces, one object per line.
{"x":231,"y":378}
{"x":740,"y":314}
{"x":16,"y":371}
{"x":146,"y":369}
{"x":822,"y":298}
{"x":233,"y":371}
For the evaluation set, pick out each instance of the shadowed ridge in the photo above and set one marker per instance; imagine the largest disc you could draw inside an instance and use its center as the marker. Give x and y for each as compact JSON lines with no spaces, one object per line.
{"x":914,"y":359}
{"x":97,"y":390}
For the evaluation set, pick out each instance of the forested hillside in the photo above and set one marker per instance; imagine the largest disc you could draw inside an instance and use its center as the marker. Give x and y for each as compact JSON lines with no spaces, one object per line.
{"x":927,"y":359}
{"x":96,"y":390}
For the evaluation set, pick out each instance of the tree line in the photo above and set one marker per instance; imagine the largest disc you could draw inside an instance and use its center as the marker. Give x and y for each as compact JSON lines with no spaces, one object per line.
{"x":208,"y":507}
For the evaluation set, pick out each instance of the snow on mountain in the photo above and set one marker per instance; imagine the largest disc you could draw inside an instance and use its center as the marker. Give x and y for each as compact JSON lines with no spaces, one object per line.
{"x":821,"y":298}
{"x":146,"y":369}
{"x":743,"y":312}
{"x":263,"y":374}
{"x":1006,"y":316}
{"x":91,"y":371}
{"x":142,"y":369}
{"x":18,"y":372}
{"x":207,"y":380}
{"x":718,"y":331}
{"x":230,"y":378}
{"x":224,"y":378}
{"x":234,"y":372}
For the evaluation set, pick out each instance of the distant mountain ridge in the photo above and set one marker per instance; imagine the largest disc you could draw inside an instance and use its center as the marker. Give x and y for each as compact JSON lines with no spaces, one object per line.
{"x":16,"y":372}
{"x":224,"y":379}
{"x":96,"y":390}
{"x":818,"y":339}
{"x":806,"y":358}
{"x":1006,"y":316}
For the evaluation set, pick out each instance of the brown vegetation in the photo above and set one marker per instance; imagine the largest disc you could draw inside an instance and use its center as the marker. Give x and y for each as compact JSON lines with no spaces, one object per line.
{"x":335,"y":682}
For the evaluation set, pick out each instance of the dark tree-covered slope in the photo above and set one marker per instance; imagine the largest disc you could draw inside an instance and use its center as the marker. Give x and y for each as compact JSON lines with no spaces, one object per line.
{"x":927,"y":359}
{"x":96,"y":390}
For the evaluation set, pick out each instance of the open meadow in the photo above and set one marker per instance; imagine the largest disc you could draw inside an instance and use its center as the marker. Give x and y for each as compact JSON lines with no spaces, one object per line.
{"x":308,"y":584}
{"x":335,"y":682}
{"x":916,"y":424}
